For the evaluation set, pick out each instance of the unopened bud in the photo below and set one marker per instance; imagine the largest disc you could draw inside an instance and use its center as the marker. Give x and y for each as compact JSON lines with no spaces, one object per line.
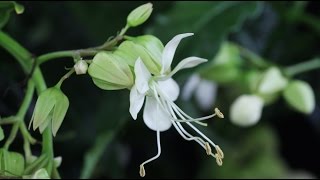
{"x":139,"y":15}
{"x":81,"y":67}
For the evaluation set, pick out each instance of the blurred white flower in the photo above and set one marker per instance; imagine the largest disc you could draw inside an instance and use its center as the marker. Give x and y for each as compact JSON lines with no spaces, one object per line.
{"x":205,"y":91}
{"x":246,"y":110}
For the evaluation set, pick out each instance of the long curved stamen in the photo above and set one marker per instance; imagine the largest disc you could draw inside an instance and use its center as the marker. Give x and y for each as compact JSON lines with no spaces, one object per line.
{"x":142,"y":170}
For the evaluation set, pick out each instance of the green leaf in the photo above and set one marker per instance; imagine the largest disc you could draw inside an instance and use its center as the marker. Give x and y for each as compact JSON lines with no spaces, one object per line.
{"x":1,"y":134}
{"x":6,"y":7}
{"x":94,"y":154}
{"x":210,"y":21}
{"x":300,"y":96}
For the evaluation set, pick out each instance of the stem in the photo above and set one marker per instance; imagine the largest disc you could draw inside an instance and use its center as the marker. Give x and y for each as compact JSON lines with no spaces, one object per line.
{"x":253,"y":57}
{"x":24,"y":58}
{"x":66,"y":76}
{"x":20,"y":115}
{"x":83,"y":52}
{"x":60,"y":54}
{"x":303,"y":67}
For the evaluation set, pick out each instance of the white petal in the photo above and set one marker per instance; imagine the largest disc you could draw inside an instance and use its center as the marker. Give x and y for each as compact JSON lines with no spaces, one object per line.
{"x":190,"y":86}
{"x":170,"y":49}
{"x":170,"y":88}
{"x":206,"y":94}
{"x":155,"y":117}
{"x":246,"y":110}
{"x":142,"y":76}
{"x":136,"y":102}
{"x":188,"y":63}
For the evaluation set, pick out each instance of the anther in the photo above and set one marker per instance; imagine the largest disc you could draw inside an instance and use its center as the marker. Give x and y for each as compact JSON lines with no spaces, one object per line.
{"x":208,"y":148}
{"x":218,"y":113}
{"x":142,"y":171}
{"x":219,"y":151}
{"x":218,"y":159}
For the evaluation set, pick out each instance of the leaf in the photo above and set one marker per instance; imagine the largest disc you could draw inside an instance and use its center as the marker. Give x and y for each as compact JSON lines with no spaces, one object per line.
{"x":6,"y":8}
{"x":210,"y":21}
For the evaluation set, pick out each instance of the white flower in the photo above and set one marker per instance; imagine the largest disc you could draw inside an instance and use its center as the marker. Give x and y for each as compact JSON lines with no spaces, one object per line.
{"x":205,"y":91}
{"x":246,"y":110}
{"x":160,"y":92}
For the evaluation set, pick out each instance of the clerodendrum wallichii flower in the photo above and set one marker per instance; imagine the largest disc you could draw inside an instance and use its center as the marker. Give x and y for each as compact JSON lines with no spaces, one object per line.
{"x":160,"y":91}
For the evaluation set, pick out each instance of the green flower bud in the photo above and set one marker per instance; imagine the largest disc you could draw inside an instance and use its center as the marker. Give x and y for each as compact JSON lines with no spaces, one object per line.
{"x":136,"y":50}
{"x":110,"y":71}
{"x":11,"y":163}
{"x":51,"y":108}
{"x":81,"y":67}
{"x":272,"y":81}
{"x":224,"y":66}
{"x":139,"y":15}
{"x":300,"y":96}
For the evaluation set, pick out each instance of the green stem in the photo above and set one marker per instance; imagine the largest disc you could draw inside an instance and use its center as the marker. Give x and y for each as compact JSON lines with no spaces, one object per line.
{"x":302,"y":67}
{"x":21,"y":114}
{"x":253,"y":58}
{"x":83,"y":52}
{"x":25,"y":60}
{"x":66,"y":76}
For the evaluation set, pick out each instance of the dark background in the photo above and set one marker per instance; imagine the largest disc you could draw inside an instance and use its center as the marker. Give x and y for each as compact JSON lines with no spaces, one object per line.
{"x":283,"y":144}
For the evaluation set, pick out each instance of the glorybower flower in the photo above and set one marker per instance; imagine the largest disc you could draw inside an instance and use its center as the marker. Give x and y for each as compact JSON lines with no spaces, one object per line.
{"x":160,"y":91}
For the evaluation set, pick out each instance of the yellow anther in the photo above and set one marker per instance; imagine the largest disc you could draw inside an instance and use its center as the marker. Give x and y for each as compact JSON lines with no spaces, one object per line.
{"x":142,"y":171}
{"x":208,"y":148}
{"x":219,"y":151}
{"x":218,"y":113}
{"x":218,"y":159}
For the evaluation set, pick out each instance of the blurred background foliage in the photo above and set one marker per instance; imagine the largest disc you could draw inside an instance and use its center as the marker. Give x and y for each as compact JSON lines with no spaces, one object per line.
{"x":98,"y":137}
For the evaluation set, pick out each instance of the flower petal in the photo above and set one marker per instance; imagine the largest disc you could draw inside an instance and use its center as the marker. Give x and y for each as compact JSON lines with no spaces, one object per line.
{"x":136,"y":102}
{"x":188,"y":63}
{"x":142,"y":76}
{"x":170,"y":88}
{"x":155,"y":117}
{"x":170,"y":49}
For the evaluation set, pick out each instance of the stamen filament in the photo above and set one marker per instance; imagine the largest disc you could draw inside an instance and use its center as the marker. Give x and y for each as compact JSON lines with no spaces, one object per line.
{"x":142,"y":171}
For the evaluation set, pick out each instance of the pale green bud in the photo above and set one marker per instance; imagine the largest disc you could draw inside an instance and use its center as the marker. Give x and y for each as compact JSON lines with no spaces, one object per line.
{"x":246,"y":110}
{"x":51,"y":108}
{"x":224,"y":67}
{"x":300,"y":96}
{"x":139,"y":15}
{"x":11,"y":163}
{"x":272,"y":81}
{"x":81,"y":67}
{"x":109,"y":71}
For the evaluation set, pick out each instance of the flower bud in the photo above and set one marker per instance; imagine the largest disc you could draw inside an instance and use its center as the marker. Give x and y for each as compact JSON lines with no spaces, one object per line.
{"x":11,"y":163}
{"x":246,"y":110}
{"x":109,"y":71}
{"x":300,"y":96}
{"x":272,"y":81}
{"x":51,"y":106}
{"x":81,"y":67}
{"x":139,"y":15}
